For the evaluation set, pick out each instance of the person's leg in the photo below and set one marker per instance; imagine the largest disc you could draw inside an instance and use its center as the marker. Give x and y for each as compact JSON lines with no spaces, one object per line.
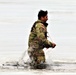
{"x":40,"y":57}
{"x":40,"y":60}
{"x":37,"y":58}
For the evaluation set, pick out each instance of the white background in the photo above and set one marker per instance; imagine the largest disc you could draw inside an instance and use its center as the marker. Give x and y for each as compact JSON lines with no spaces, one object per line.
{"x":17,"y":17}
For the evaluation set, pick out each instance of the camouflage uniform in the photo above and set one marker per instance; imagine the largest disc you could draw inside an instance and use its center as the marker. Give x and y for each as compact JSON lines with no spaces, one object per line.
{"x":38,"y":41}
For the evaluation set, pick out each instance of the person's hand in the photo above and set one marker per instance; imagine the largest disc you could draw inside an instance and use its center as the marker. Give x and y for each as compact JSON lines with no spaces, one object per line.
{"x":53,"y":45}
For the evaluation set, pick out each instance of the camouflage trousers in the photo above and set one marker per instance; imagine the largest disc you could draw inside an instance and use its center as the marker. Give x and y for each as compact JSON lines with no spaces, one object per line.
{"x":37,"y":56}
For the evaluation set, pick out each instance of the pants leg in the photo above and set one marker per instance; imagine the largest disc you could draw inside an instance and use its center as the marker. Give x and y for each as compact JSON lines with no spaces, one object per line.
{"x":37,"y":57}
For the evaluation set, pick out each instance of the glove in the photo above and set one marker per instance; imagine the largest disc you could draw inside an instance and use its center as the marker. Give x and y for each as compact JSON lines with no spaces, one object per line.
{"x":53,"y":45}
{"x":50,"y":45}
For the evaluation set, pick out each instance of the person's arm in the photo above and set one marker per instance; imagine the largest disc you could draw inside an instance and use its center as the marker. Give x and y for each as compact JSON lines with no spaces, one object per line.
{"x":41,"y":35}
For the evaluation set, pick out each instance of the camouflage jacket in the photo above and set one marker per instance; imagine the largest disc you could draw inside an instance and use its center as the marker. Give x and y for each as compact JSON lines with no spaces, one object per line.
{"x":38,"y":36}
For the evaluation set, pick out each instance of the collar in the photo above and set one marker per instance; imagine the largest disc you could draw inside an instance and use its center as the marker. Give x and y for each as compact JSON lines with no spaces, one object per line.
{"x":45,"y":24}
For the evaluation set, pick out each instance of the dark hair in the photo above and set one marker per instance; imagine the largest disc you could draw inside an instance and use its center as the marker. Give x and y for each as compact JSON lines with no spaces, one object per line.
{"x":42,"y":14}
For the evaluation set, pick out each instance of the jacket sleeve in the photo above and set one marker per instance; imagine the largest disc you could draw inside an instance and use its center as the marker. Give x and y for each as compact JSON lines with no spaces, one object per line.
{"x":41,"y":35}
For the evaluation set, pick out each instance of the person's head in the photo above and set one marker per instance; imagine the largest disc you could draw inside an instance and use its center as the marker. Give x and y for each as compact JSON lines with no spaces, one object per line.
{"x":42,"y":15}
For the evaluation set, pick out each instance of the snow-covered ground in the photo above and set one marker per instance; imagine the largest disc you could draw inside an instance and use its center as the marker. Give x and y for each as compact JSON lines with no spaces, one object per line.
{"x":16,"y":19}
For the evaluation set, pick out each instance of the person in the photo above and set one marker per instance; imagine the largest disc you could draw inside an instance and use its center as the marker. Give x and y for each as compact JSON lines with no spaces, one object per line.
{"x":38,"y":40}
